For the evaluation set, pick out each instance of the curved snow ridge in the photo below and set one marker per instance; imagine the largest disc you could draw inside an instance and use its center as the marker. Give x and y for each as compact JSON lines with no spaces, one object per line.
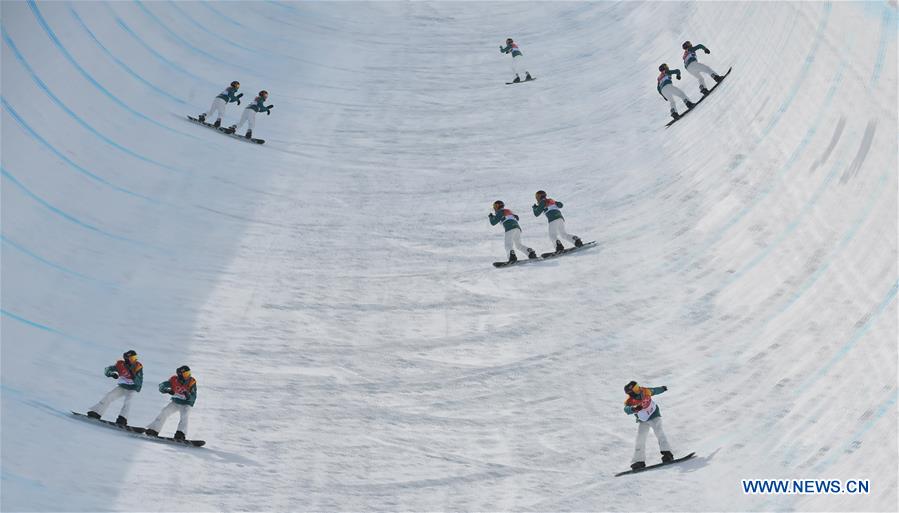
{"x":332,"y":289}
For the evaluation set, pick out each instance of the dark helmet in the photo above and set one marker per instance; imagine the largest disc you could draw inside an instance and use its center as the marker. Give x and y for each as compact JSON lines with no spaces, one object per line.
{"x":235,"y":84}
{"x":263,"y":92}
{"x":540,"y":195}
{"x":183,"y":372}
{"x":498,"y":204}
{"x":128,"y":354}
{"x":663,"y":66}
{"x":629,"y":388}
{"x":686,"y":45}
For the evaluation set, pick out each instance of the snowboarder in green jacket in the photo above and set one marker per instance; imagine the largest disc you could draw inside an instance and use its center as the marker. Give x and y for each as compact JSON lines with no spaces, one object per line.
{"x":129,"y":376}
{"x":509,"y":220}
{"x":551,"y":207}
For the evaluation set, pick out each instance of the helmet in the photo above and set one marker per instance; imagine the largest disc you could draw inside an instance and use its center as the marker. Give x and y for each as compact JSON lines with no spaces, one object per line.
{"x":663,"y":66}
{"x":183,"y":372}
{"x":235,"y":84}
{"x":263,"y":92}
{"x":686,"y":45}
{"x":498,"y":204}
{"x":540,"y":195}
{"x":128,"y":354}
{"x":629,"y":388}
{"x":508,"y":40}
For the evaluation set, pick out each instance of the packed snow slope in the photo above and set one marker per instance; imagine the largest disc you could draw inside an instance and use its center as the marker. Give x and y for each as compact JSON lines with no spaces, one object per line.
{"x":332,"y":289}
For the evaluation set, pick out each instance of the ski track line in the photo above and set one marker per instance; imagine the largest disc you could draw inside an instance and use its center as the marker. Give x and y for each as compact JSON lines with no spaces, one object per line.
{"x":22,"y":249}
{"x":152,"y":87}
{"x":44,"y":327}
{"x":43,"y":86}
{"x":87,"y":76}
{"x":94,"y":177}
{"x":61,"y":213}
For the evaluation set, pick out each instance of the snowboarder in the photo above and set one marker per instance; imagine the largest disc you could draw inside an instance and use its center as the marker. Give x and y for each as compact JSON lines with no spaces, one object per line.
{"x":640,"y":404}
{"x":129,"y":376}
{"x":183,"y":389}
{"x":556,"y":221}
{"x":695,"y":68}
{"x":668,"y":91}
{"x":249,"y":114}
{"x":517,"y":60}
{"x":227,"y":96}
{"x":501,"y":214}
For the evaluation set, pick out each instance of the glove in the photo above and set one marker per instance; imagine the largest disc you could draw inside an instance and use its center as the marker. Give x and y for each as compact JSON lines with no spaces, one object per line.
{"x":517,"y":218}
{"x":664,"y":388}
{"x":707,"y":51}
{"x":637,"y":408}
{"x":114,"y":375}
{"x":268,"y":113}
{"x":239,"y":95}
{"x":238,"y":101}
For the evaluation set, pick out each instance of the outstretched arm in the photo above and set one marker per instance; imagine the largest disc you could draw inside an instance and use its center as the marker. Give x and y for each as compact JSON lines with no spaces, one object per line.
{"x":701,"y":47}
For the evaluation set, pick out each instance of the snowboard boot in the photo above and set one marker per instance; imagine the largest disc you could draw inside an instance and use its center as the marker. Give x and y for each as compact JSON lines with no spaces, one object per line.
{"x":202,"y":118}
{"x":577,"y":241}
{"x":559,"y":247}
{"x":532,"y":253}
{"x":179,"y":435}
{"x":249,"y":134}
{"x":689,"y":104}
{"x":121,"y":421}
{"x":703,"y":90}
{"x":93,"y":415}
{"x":231,"y":129}
{"x":675,"y":115}
{"x":667,"y":456}
{"x":512,"y":257}
{"x":218,"y":123}
{"x":717,"y":78}
{"x":528,"y":76}
{"x":151,"y":432}
{"x":517,"y":79}
{"x":637,"y":465}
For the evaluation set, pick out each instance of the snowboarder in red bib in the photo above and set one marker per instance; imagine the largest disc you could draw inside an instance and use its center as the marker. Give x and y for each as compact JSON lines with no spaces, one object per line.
{"x":517,"y":60}
{"x":129,"y":376}
{"x":183,"y":389}
{"x":695,"y":68}
{"x":639,"y":403}
{"x":503,"y":215}
{"x":668,"y":91}
{"x":551,"y":208}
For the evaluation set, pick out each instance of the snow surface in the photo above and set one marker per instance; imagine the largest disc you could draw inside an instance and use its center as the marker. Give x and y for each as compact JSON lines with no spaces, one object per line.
{"x":333,"y":292}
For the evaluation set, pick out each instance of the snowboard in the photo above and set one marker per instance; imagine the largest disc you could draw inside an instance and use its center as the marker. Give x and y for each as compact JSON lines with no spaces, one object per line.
{"x":700,"y":100}
{"x":517,"y":262}
{"x":132,"y":429}
{"x":521,"y":82}
{"x":565,"y":251}
{"x":657,"y":465}
{"x":192,"y":443}
{"x":225,"y":131}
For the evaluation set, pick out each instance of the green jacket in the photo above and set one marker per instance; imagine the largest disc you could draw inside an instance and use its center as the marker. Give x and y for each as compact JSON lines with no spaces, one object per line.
{"x":138,"y":378}
{"x":551,"y":215}
{"x":166,"y":388}
{"x":505,"y":216}
{"x":229,"y":95}
{"x":259,"y":105}
{"x":653,"y":391}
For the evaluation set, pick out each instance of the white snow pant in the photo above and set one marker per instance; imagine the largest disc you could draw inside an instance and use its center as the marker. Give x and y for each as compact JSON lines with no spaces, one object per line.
{"x":249,"y":115}
{"x":519,"y":67}
{"x":166,"y":412}
{"x":669,"y":92}
{"x":217,"y":105}
{"x":513,"y":238}
{"x":111,"y":396}
{"x":642,"y":431}
{"x":696,"y":67}
{"x":557,"y":230}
